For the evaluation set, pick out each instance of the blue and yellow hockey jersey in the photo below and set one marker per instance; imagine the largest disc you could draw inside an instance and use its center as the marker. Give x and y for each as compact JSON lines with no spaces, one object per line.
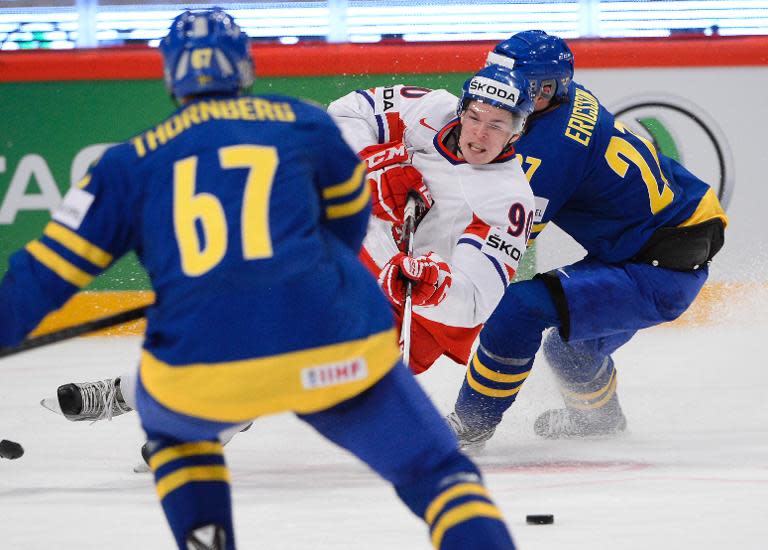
{"x":248,"y":214}
{"x":605,"y":186}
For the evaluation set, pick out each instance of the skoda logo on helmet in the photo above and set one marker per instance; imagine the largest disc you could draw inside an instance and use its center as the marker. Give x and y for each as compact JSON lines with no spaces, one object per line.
{"x":485,"y":87}
{"x":665,"y":119}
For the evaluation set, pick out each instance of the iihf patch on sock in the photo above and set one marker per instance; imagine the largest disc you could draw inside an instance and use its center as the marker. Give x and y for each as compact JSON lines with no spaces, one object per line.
{"x":334,"y":374}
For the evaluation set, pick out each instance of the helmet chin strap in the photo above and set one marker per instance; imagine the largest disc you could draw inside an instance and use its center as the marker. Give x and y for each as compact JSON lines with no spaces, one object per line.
{"x":455,"y":135}
{"x":506,"y":148}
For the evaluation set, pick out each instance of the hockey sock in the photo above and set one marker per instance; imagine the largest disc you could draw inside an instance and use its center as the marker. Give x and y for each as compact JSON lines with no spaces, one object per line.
{"x":457,"y":508}
{"x":587,"y":378}
{"x":192,"y":482}
{"x":508,"y":344}
{"x":490,"y":387}
{"x":594,"y":395}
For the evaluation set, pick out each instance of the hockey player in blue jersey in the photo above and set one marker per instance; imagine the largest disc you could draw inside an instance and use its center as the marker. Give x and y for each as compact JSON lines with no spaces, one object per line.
{"x":650,"y":229}
{"x":248,"y":213}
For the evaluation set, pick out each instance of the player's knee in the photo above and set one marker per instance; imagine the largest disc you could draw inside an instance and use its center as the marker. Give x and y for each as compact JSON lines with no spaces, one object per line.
{"x":672,"y":305}
{"x":525,"y":310}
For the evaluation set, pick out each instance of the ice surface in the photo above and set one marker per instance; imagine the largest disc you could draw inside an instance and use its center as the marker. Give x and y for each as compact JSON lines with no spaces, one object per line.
{"x":692,"y":473}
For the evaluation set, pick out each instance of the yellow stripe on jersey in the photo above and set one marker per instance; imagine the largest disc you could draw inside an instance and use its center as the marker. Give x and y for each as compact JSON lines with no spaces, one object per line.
{"x":59,"y":265}
{"x":348,"y":187}
{"x":485,"y":390}
{"x":456,"y":491}
{"x":352,"y":207}
{"x":303,"y":381}
{"x":174,"y":480}
{"x":83,"y":183}
{"x":485,"y":372}
{"x":187,"y":449}
{"x":585,"y":401}
{"x":535,"y":230}
{"x":78,"y":245}
{"x":709,"y":208}
{"x":461,"y":514}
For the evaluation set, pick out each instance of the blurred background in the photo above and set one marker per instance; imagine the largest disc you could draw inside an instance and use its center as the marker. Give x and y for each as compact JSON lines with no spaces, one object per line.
{"x":77,"y":76}
{"x":62,"y":24}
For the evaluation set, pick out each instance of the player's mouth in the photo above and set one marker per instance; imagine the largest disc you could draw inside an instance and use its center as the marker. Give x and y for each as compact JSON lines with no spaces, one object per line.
{"x":476,"y":148}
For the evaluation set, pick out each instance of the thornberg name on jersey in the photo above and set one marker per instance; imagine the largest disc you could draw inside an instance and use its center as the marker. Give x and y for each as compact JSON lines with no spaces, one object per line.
{"x":244,"y":108}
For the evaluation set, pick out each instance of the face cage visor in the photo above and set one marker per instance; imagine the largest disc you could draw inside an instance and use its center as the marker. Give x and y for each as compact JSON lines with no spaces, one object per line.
{"x":541,"y":93}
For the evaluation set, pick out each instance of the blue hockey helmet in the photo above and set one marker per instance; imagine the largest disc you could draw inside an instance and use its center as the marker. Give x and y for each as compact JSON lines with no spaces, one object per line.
{"x":543,"y":59}
{"x":206,"y":52}
{"x":501,"y":87}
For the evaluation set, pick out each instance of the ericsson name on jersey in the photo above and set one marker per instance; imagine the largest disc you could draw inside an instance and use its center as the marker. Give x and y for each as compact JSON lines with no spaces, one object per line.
{"x":583,"y":166}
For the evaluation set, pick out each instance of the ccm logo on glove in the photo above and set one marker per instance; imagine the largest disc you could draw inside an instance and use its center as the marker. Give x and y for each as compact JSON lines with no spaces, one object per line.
{"x":385,"y":154}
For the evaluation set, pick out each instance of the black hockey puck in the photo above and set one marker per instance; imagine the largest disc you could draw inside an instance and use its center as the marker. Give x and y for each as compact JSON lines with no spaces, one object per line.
{"x":540,"y":519}
{"x":10,"y":449}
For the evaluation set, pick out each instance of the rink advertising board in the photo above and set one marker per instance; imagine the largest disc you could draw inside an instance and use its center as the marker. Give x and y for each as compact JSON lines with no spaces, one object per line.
{"x":693,"y":97}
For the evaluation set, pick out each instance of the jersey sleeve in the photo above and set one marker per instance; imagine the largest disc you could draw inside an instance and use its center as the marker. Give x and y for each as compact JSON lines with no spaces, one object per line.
{"x":485,"y":261}
{"x":88,"y":232}
{"x":340,"y":179}
{"x":375,"y":115}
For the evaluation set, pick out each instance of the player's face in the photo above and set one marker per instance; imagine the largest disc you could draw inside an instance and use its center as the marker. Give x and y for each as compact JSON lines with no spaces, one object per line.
{"x":485,"y":131}
{"x":544,"y":98}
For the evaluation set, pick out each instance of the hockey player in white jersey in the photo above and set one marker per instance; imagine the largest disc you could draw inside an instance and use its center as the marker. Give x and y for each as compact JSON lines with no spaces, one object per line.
{"x":467,"y":247}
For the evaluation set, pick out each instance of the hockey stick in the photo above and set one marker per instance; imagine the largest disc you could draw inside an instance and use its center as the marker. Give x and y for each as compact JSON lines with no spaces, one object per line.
{"x":409,"y":228}
{"x":75,"y":331}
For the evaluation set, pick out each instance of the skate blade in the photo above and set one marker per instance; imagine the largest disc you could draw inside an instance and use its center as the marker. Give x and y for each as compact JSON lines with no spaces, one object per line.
{"x":141,"y":468}
{"x":52,"y":404}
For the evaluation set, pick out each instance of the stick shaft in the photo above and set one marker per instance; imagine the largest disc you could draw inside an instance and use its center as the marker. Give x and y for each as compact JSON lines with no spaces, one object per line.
{"x":75,"y":331}
{"x":409,"y":228}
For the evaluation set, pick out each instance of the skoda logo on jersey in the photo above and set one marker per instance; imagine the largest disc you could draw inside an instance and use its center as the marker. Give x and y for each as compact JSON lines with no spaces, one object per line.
{"x":485,"y":87}
{"x":686,"y":133}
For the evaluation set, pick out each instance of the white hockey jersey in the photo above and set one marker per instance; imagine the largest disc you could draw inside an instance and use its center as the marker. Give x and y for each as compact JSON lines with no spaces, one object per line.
{"x":481,"y":216}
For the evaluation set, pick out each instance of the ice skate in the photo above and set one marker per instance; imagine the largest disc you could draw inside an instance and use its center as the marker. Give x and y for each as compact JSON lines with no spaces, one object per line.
{"x":88,"y":400}
{"x":569,"y":423}
{"x":470,"y":439}
{"x":207,"y":537}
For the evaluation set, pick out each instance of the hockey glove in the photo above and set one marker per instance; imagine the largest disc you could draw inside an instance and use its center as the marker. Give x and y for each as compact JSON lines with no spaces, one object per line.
{"x":390,"y":188}
{"x":430,"y":275}
{"x":383,"y":155}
